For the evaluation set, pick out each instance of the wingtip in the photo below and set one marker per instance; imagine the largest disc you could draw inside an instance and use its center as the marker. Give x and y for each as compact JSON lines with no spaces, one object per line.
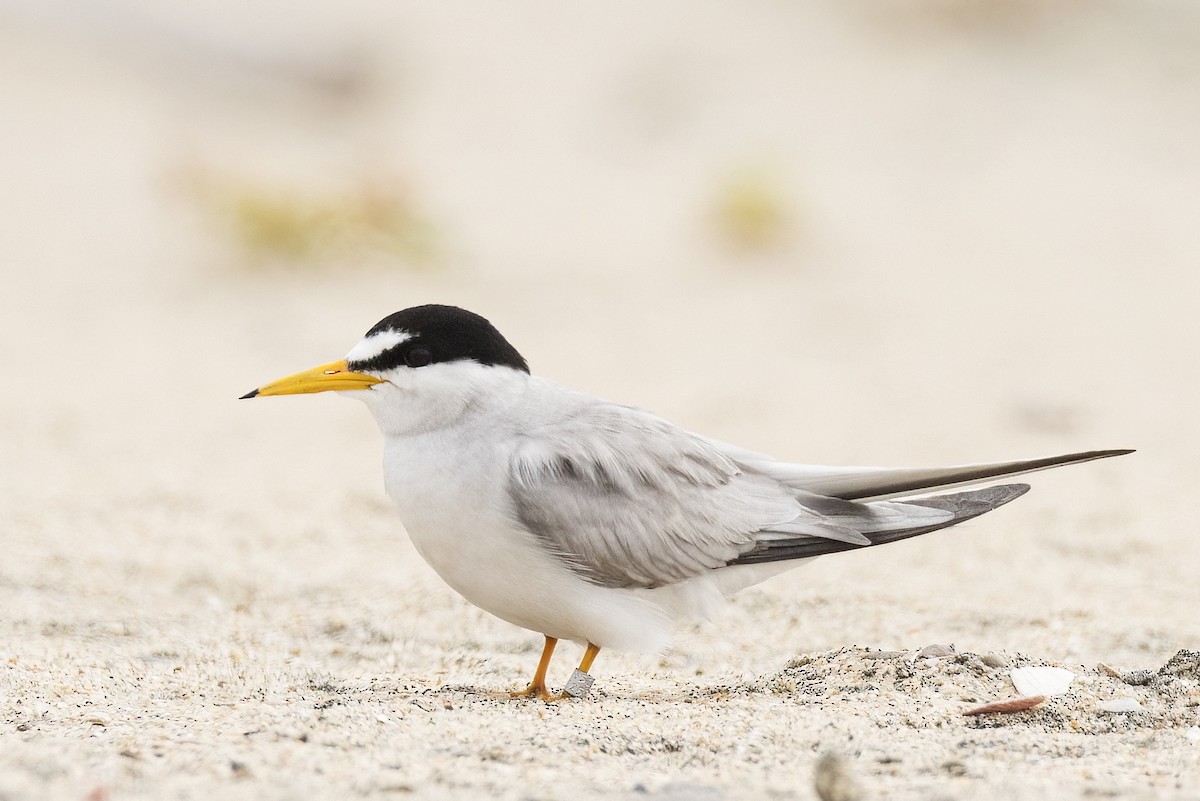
{"x":251,"y":394}
{"x":1089,"y":456}
{"x":1014,"y":491}
{"x":1105,"y":454}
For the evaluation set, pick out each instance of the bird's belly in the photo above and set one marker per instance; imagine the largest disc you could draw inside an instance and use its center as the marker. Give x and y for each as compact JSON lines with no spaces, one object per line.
{"x":463,"y":527}
{"x":491,"y":568}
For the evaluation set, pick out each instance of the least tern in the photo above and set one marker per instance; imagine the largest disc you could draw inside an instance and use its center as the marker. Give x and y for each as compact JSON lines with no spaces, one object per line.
{"x":590,"y":521}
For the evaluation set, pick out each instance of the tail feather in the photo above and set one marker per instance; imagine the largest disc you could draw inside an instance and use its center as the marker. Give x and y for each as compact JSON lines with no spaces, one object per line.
{"x":961,"y":506}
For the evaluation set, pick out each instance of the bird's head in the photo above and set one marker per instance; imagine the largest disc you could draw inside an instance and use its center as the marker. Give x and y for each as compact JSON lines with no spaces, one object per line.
{"x":416,"y":368}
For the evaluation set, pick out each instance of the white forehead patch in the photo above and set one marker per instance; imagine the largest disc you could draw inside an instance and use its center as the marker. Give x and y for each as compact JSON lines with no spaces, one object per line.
{"x":376,"y":344}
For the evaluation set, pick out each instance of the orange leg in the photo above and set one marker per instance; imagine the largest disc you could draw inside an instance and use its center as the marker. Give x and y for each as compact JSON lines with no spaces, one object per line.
{"x":589,"y":656}
{"x":537,"y":687}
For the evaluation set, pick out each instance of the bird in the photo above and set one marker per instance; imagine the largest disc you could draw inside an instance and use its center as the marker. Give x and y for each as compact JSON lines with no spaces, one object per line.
{"x":586,"y":520}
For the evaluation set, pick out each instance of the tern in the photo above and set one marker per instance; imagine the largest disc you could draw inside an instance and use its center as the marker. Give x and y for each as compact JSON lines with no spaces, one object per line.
{"x":586,"y":520}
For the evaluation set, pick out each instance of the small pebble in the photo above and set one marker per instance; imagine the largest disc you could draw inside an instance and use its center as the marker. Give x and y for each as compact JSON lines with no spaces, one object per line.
{"x":1192,"y":733}
{"x":937,"y":649}
{"x":1120,"y":705}
{"x":994,"y":660}
{"x":832,"y":780}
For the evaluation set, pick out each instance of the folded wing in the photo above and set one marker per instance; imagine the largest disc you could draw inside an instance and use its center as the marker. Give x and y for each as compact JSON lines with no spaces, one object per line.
{"x":626,"y":499}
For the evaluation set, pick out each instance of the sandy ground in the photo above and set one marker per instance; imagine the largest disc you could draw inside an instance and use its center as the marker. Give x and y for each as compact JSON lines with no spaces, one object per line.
{"x":991,"y":253}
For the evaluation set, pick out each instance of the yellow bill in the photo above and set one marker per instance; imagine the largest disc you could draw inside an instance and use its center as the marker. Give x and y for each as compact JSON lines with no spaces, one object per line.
{"x":332,"y":376}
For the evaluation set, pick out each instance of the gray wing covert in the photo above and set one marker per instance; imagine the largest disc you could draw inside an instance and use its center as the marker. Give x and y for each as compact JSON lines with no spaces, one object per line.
{"x":628,"y":500}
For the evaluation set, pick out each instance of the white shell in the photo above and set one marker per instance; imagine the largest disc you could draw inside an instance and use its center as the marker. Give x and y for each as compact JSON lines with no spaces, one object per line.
{"x":1045,"y":681}
{"x":1120,"y":705}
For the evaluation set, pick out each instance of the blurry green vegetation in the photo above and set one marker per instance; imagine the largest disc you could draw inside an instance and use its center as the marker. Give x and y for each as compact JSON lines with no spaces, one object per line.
{"x":751,"y":211}
{"x":365,"y":221}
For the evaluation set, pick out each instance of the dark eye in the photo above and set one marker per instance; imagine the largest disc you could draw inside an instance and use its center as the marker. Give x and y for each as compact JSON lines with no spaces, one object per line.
{"x":418,"y":357}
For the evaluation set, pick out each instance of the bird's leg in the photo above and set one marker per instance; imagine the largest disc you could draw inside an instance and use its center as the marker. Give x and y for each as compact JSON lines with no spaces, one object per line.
{"x":580,"y":682}
{"x":537,"y":687}
{"x":589,"y":656}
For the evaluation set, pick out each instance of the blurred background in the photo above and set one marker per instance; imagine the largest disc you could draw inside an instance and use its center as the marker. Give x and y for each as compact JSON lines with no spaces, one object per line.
{"x":886,"y":232}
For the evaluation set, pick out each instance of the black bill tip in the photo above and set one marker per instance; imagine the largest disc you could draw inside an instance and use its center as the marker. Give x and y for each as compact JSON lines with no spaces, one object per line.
{"x":252,"y":393}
